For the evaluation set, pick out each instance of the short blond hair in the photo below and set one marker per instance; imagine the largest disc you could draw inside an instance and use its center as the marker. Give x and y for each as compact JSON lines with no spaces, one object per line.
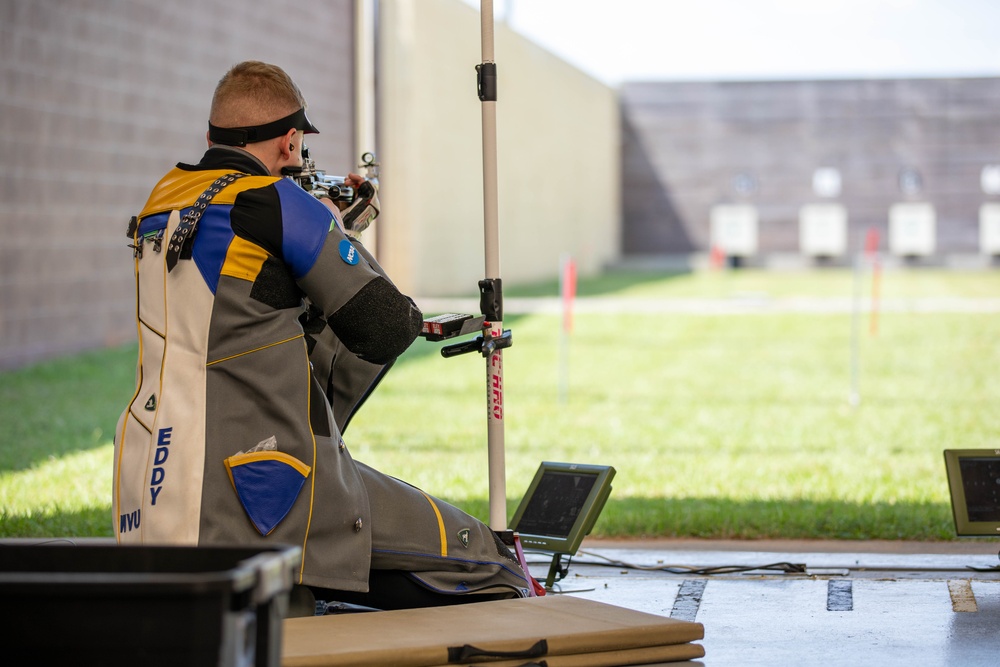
{"x":254,"y":93}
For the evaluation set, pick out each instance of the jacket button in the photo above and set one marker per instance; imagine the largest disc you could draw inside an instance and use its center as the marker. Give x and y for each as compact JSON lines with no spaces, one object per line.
{"x":357,"y":525}
{"x":341,"y":446}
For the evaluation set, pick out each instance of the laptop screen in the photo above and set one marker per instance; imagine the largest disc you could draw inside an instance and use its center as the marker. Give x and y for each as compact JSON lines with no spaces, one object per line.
{"x":974,"y":484}
{"x":981,"y":485}
{"x":556,"y":503}
{"x":561,"y":505}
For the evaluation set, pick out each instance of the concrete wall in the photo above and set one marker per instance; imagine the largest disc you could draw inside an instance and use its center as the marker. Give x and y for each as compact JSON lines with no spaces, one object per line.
{"x":558,"y":154}
{"x":99,"y":99}
{"x":102,"y":97}
{"x":688,"y":145}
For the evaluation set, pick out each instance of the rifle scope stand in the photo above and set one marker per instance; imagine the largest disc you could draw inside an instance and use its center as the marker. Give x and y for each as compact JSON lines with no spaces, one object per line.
{"x":493,"y":339}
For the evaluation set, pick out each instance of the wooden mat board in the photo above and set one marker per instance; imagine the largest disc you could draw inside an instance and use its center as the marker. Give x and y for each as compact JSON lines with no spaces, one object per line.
{"x":652,"y":655}
{"x":421,"y":637}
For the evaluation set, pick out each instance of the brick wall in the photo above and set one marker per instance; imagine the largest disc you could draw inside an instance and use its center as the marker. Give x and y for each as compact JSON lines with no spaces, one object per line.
{"x":686,"y":145}
{"x":100,"y":98}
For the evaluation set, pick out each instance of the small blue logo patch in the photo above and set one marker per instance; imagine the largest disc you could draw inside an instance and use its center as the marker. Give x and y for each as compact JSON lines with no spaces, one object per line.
{"x":348,"y":252}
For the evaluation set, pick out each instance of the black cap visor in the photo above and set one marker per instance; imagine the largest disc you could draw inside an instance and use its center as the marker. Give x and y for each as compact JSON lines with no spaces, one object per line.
{"x":241,"y":136}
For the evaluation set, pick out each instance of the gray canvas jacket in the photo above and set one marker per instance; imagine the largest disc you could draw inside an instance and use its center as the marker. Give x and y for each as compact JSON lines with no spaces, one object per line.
{"x":230,"y":438}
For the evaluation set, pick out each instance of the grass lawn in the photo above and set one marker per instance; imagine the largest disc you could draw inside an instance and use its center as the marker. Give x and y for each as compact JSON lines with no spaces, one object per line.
{"x":719,"y":426}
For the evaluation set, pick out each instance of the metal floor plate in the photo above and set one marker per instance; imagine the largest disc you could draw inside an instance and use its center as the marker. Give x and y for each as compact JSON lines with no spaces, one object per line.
{"x":848,"y":608}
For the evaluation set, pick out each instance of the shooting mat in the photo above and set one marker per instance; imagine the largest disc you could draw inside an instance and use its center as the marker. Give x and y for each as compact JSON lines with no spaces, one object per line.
{"x":563,"y":631}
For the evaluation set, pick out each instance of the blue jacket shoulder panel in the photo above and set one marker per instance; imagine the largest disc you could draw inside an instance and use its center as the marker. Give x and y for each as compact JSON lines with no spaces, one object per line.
{"x":305,"y":223}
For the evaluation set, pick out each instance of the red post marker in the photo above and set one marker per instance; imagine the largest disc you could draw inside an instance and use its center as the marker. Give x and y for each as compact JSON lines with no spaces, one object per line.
{"x":567,"y":287}
{"x":716,"y":258}
{"x":568,"y":292}
{"x":871,"y":252}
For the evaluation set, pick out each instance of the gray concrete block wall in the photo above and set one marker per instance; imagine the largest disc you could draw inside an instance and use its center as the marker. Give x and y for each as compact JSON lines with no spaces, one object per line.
{"x":100,"y":98}
{"x":685,"y":143}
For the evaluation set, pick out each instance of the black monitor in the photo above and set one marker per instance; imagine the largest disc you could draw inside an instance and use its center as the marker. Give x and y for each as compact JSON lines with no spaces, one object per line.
{"x":974,"y":483}
{"x":561,"y":506}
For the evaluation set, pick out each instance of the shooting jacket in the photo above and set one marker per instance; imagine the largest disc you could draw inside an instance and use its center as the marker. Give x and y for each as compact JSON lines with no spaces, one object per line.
{"x":230,"y":437}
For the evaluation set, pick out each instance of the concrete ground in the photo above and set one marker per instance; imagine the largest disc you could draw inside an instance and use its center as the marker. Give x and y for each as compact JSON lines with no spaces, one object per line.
{"x":839,"y":603}
{"x":854,"y":603}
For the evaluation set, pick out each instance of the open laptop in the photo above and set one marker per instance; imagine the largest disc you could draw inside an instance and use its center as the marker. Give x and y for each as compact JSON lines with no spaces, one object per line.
{"x":560,"y":508}
{"x":974,"y":483}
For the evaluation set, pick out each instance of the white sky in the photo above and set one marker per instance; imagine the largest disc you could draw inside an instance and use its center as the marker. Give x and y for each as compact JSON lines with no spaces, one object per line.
{"x":630,"y":40}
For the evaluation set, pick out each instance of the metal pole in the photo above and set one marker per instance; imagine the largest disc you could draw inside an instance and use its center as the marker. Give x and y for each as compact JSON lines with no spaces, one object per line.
{"x":364,"y":92}
{"x":491,"y":298}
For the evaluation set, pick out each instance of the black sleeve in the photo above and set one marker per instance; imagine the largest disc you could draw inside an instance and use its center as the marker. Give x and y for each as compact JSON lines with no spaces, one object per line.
{"x":366,"y":311}
{"x":378,"y":323}
{"x":256,"y":217}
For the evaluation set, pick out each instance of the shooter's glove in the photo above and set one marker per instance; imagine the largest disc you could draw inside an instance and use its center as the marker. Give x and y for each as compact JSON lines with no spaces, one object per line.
{"x":362,"y":211}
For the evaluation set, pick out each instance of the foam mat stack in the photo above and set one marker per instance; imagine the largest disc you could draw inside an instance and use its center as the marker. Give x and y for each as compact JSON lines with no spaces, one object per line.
{"x":553,"y":630}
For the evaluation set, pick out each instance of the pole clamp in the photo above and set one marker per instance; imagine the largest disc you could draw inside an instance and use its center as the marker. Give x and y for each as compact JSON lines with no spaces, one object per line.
{"x":486,"y":82}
